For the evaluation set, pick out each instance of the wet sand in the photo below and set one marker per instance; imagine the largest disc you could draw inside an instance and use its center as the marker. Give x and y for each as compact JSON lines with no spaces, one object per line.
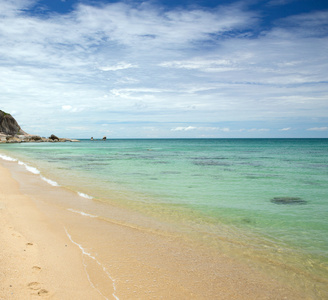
{"x":51,"y":247}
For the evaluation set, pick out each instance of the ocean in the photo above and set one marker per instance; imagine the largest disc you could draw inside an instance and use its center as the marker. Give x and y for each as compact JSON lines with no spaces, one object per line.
{"x":265,"y":200}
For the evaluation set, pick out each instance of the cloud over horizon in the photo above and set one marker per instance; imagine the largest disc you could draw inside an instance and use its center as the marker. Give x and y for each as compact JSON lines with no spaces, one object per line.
{"x":145,"y":69}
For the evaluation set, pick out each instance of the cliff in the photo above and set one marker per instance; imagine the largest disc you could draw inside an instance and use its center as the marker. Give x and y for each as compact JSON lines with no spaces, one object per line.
{"x":11,"y":132}
{"x":9,"y":126}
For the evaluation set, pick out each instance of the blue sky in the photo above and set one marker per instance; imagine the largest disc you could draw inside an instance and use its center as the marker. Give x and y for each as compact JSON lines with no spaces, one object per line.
{"x":152,"y":69}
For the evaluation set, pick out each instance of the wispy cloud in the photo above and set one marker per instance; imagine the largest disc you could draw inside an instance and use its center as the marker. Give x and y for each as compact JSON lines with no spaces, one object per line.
{"x":201,"y":65}
{"x":183,"y":128}
{"x":119,"y":66}
{"x":225,"y":129}
{"x":141,"y":62}
{"x":318,"y":129}
{"x":69,"y":108}
{"x":218,"y":129}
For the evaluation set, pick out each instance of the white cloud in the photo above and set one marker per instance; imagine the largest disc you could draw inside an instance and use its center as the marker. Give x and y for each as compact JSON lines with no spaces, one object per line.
{"x":285,"y":129}
{"x":127,"y":80}
{"x":318,"y":129}
{"x":183,"y":128}
{"x":13,"y":7}
{"x":119,"y":66}
{"x":135,"y":62}
{"x":208,"y":65}
{"x":69,"y":108}
{"x":144,"y":25}
{"x":224,"y":129}
{"x":136,"y":93}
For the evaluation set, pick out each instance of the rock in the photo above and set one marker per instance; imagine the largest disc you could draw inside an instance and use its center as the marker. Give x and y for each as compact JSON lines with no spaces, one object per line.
{"x":8,"y":125}
{"x":36,"y":138}
{"x":104,"y":138}
{"x":23,"y":138}
{"x":53,"y":137}
{"x":13,"y":139}
{"x":3,"y":138}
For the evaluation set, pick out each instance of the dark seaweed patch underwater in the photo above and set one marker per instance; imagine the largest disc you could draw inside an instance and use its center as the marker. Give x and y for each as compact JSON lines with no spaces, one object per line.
{"x":288,"y":200}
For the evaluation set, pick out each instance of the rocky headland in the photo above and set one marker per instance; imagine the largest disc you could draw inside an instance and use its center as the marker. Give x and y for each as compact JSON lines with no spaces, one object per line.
{"x":11,"y":132}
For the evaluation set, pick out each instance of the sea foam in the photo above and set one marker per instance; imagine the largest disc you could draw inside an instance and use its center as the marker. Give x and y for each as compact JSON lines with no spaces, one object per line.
{"x":29,"y":168}
{"x":84,"y":252}
{"x":84,"y":195}
{"x":51,"y":182}
{"x":7,"y":158}
{"x":37,"y":172}
{"x":82,"y":213}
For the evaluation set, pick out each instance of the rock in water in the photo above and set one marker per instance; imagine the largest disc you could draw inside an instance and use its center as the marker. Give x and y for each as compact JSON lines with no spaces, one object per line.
{"x":9,"y":126}
{"x":53,"y":137}
{"x":288,"y":200}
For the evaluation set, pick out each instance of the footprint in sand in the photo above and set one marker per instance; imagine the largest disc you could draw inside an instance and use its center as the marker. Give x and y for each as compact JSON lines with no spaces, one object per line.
{"x":42,"y":292}
{"x":36,"y":269}
{"x":29,"y":244}
{"x":36,"y":286}
{"x":16,"y":235}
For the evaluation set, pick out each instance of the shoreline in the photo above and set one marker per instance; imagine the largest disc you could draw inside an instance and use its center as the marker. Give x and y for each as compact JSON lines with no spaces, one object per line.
{"x":35,"y":251}
{"x":119,"y":260}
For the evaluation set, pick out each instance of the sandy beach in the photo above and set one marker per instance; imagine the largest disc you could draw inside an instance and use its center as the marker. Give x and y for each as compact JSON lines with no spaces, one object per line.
{"x":52,"y":250}
{"x":171,"y":150}
{"x":37,"y":258}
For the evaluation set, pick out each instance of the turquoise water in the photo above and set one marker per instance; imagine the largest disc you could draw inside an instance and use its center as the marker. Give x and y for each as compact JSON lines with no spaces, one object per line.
{"x":230,"y":182}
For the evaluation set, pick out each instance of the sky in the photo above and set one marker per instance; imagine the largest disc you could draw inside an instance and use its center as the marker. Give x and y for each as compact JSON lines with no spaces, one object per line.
{"x":166,"y":69}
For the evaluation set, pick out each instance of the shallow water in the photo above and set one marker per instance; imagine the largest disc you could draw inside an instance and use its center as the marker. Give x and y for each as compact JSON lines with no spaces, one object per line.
{"x":212,"y":190}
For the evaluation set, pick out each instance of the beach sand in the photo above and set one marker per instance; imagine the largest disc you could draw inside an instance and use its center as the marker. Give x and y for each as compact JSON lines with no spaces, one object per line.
{"x":50,"y":249}
{"x":37,"y":258}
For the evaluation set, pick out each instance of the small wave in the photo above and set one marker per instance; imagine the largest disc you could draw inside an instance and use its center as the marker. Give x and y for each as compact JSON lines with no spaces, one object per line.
{"x":51,"y":182}
{"x":7,"y":158}
{"x":84,"y":195}
{"x":82,"y":213}
{"x":29,"y":168}
{"x":84,"y":252}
